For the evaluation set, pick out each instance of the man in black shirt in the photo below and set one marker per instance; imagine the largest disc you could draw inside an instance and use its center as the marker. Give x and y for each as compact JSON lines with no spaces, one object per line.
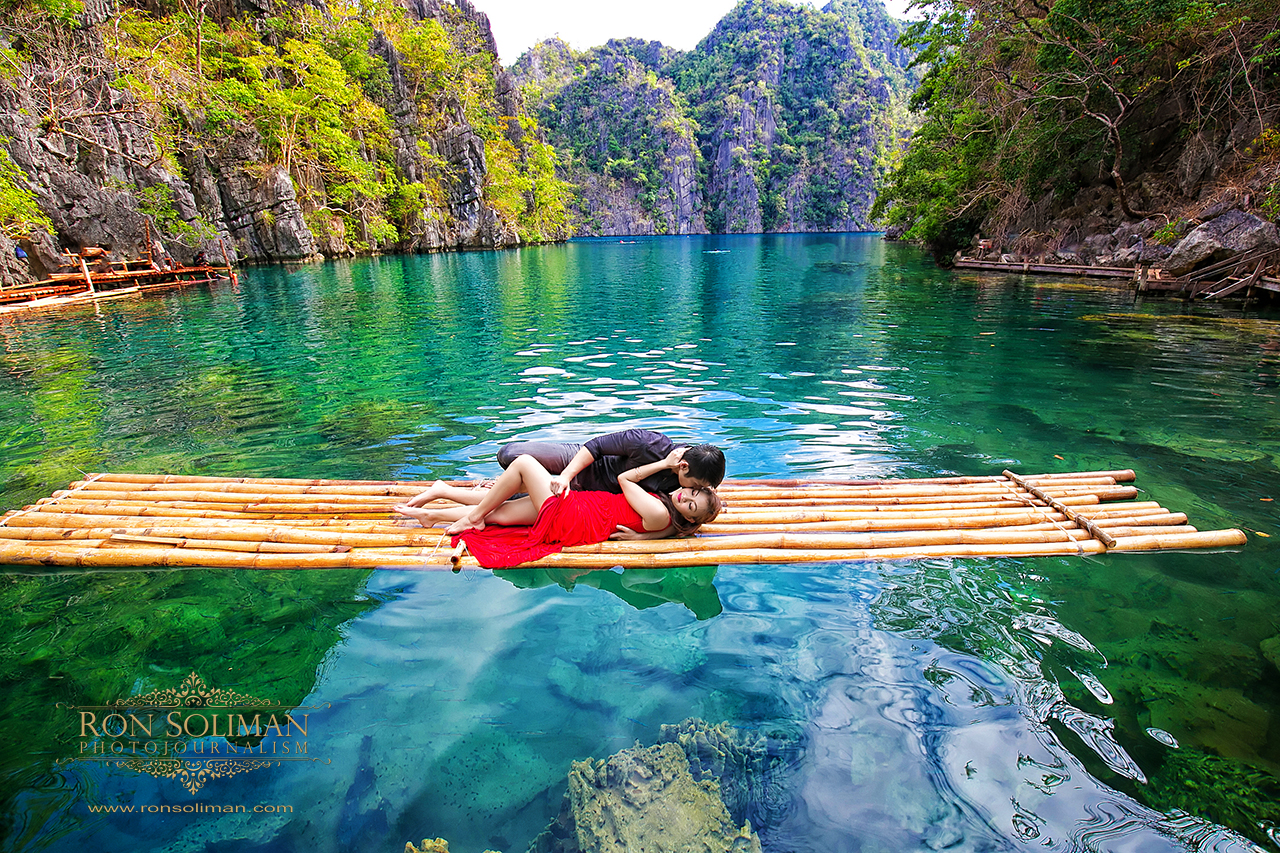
{"x":595,"y":466}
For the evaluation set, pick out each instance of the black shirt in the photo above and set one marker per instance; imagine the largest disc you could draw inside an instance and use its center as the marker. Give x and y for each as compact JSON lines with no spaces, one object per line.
{"x":622,"y":451}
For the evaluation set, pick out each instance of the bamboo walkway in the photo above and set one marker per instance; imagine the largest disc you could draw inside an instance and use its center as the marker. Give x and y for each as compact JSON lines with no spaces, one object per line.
{"x":139,"y":520}
{"x":75,"y":289}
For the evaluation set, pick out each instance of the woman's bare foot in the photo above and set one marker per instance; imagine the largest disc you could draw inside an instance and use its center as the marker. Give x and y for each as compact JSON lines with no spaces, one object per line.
{"x":431,"y":494}
{"x":425,"y":517}
{"x":464,"y":524}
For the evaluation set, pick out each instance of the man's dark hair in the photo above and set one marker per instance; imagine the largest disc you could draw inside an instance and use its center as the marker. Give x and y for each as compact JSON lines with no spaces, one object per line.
{"x":706,"y":462}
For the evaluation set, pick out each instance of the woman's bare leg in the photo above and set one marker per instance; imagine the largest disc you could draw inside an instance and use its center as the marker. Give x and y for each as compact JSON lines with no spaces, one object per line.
{"x":524,"y":475}
{"x":520,"y":511}
{"x":440,"y":490}
{"x":432,"y":517}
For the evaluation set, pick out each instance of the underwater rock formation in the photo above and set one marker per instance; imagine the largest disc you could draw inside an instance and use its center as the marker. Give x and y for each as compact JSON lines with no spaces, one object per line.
{"x":431,"y":845}
{"x":1271,"y":650}
{"x":646,"y":799}
{"x":748,"y":767}
{"x":656,"y":798}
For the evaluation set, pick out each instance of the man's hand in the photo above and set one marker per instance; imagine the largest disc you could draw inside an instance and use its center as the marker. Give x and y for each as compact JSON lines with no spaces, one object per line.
{"x":561,"y":484}
{"x":624,"y":533}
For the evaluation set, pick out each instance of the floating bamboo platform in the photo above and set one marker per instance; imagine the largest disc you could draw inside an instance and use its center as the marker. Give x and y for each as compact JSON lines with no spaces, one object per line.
{"x":140,"y":520}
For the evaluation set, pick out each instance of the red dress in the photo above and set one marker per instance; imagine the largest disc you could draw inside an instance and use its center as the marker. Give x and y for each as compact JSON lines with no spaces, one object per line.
{"x":573,"y":518}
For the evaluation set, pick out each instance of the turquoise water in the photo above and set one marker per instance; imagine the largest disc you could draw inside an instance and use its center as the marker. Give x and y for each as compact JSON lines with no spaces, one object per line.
{"x":1117,"y":702}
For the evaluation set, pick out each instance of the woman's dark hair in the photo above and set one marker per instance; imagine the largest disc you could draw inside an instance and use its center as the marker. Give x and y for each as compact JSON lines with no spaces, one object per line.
{"x":685,"y":527}
{"x":706,"y":462}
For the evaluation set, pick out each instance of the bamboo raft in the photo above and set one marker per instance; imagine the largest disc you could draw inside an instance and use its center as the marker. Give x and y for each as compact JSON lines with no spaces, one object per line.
{"x":139,"y":520}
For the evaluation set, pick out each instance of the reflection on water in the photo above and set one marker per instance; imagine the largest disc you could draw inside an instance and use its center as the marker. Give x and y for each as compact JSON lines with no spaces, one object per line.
{"x":691,"y":586}
{"x":1115,"y":702}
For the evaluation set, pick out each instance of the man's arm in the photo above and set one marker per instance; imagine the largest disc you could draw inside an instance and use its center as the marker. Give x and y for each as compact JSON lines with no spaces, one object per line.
{"x":581,"y":460}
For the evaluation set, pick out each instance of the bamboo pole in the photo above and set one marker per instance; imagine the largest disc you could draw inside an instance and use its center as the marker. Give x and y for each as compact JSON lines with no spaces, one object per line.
{"x":197,"y":508}
{"x":23,"y":554}
{"x":410,"y":537}
{"x":335,"y":503}
{"x":130,"y":540}
{"x":1095,"y":531}
{"x":243,"y":498}
{"x":84,"y":270}
{"x":228,"y":492}
{"x":869,"y":524}
{"x":1119,"y":476}
{"x":51,"y":516}
{"x":1098,"y":493}
{"x":254,"y":487}
{"x":241,"y":538}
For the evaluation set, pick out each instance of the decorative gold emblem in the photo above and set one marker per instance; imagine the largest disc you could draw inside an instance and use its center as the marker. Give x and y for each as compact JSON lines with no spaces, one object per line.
{"x":193,"y":774}
{"x":193,"y":693}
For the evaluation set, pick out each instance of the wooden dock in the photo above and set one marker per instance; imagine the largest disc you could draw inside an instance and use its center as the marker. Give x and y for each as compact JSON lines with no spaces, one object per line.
{"x":139,"y":520}
{"x":1049,"y":269}
{"x":73,"y":288}
{"x":1238,"y":277}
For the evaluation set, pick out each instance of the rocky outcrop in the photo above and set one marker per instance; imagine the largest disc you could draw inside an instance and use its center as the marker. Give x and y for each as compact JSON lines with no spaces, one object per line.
{"x":1222,"y":237}
{"x":92,"y":178}
{"x":90,"y":152}
{"x":634,"y":159}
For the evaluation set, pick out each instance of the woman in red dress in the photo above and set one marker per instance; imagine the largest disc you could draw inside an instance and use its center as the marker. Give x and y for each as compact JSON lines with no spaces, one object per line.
{"x":500,"y":532}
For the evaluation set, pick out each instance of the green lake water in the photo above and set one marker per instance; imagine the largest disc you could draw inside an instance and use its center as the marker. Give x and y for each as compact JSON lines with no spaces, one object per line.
{"x":1120,"y":702}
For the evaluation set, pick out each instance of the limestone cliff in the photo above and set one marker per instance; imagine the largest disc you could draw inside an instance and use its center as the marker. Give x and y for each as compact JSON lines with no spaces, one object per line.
{"x":276,"y":133}
{"x":632,"y":152}
{"x":781,"y":119}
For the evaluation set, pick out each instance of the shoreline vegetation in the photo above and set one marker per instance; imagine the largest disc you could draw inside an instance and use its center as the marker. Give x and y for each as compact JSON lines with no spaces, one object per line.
{"x":1112,"y":133}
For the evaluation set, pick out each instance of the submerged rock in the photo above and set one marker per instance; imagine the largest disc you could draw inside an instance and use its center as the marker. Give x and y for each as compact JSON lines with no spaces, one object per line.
{"x":748,"y":767}
{"x":431,"y":845}
{"x":646,"y":798}
{"x":1270,"y":648}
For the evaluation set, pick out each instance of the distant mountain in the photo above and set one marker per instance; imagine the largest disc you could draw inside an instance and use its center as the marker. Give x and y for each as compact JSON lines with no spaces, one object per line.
{"x":782,"y":119}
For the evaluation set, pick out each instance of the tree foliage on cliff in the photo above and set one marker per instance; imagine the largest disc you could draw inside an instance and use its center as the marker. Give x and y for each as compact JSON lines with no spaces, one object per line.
{"x":786,"y":103}
{"x":306,"y":82}
{"x":1025,"y":97}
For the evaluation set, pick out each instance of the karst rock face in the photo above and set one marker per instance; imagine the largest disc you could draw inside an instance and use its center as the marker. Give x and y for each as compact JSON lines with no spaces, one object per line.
{"x":779,"y":120}
{"x":114,"y":179}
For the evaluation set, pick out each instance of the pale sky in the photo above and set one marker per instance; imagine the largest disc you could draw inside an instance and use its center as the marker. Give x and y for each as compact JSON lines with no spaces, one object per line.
{"x":519,"y":24}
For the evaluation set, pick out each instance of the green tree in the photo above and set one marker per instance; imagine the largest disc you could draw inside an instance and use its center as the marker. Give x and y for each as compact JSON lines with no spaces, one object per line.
{"x":1023,"y":97}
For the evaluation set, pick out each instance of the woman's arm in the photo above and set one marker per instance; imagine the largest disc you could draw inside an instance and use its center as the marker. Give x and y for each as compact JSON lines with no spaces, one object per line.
{"x":650,"y":509}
